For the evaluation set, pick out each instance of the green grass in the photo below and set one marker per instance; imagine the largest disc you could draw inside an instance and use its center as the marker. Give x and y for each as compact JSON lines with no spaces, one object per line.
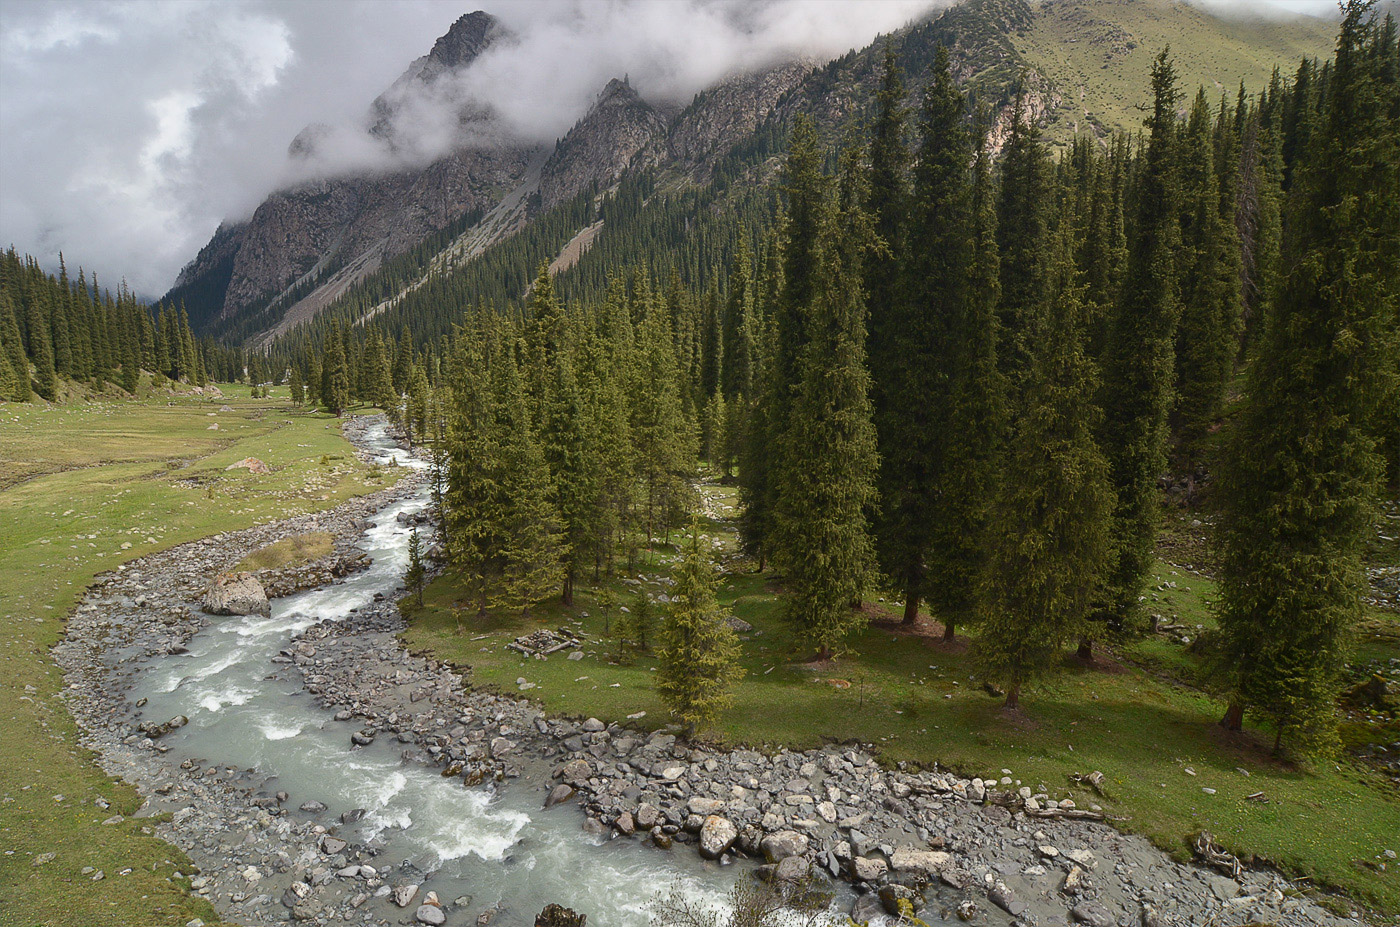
{"x":288,"y":552}
{"x":1137,"y":718}
{"x":103,"y":483}
{"x":1098,"y":54}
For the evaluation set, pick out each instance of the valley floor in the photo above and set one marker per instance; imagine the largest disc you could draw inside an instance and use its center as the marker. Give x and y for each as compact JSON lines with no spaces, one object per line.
{"x":85,"y":487}
{"x":1138,"y":714}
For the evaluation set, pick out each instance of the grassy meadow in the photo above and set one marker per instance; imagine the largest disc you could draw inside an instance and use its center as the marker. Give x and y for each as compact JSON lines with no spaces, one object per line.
{"x":1098,"y":55}
{"x":84,"y":487}
{"x":1139,"y":715}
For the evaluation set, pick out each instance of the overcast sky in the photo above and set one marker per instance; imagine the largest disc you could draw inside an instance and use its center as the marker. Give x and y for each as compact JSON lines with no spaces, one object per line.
{"x":129,"y":130}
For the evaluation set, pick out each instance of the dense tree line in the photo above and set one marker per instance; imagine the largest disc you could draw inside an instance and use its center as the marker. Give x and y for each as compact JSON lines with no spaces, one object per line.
{"x":54,"y":328}
{"x":961,"y":377}
{"x":1044,"y":344}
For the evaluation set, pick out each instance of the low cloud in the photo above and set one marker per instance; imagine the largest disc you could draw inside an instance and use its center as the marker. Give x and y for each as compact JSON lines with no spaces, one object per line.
{"x":128,"y":131}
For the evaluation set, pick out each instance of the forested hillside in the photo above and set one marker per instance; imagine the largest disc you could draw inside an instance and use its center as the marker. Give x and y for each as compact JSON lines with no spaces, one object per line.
{"x":962,"y":380}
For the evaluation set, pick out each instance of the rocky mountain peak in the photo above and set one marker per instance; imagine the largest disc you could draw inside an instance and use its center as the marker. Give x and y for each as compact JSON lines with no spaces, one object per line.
{"x":616,"y":92}
{"x":469,"y":37}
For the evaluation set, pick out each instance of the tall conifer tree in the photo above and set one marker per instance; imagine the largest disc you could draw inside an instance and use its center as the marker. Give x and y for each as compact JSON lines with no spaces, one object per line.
{"x":1303,"y":471}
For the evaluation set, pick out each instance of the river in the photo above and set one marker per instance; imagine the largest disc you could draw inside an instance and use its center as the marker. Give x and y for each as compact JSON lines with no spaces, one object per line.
{"x":494,"y":845}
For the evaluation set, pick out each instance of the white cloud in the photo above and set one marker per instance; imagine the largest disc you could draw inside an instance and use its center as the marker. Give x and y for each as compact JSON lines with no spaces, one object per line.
{"x":129,"y":130}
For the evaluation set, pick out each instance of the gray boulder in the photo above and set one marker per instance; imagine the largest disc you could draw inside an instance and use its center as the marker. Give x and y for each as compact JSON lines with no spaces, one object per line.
{"x":778,"y":847}
{"x":237,"y":594}
{"x":717,"y":835}
{"x":430,"y":914}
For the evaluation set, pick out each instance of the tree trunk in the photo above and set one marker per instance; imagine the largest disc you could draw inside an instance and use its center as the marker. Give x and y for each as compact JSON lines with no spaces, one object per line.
{"x":1013,"y":696}
{"x":1234,"y":717}
{"x":1086,"y":650}
{"x":569,"y":589}
{"x":948,"y":629}
{"x":911,"y":609}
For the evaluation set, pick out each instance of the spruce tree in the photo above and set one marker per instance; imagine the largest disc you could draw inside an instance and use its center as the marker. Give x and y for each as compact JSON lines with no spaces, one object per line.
{"x":474,"y":502}
{"x":1207,"y":338}
{"x":1023,"y":224}
{"x":416,"y":420}
{"x":916,"y":283}
{"x":297,"y":389}
{"x":698,"y":660}
{"x":533,"y":545}
{"x":1138,"y":367}
{"x":973,"y":423}
{"x":9,"y":380}
{"x":335,"y":373}
{"x":1049,"y":525}
{"x":415,"y":574}
{"x":1303,"y":469}
{"x":13,"y":344}
{"x":821,"y":541}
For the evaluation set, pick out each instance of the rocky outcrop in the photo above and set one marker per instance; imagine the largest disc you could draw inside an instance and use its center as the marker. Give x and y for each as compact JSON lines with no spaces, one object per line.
{"x":599,"y":148}
{"x":236,"y":594}
{"x":721,"y":117}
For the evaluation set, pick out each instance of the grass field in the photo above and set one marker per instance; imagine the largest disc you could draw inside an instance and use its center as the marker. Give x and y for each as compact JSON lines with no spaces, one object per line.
{"x":87,"y":487}
{"x":1139,"y":717}
{"x":1098,"y":54}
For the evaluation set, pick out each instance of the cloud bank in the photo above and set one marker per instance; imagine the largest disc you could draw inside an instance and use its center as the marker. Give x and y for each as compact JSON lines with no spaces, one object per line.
{"x":130,"y":128}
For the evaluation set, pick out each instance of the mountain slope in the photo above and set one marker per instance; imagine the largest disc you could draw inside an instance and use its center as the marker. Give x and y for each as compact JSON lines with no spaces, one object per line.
{"x":1098,"y":54}
{"x":1077,"y":64}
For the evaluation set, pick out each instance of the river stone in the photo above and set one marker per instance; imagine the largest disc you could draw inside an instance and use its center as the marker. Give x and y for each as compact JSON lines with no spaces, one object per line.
{"x":869,"y":870}
{"x":236,"y":594}
{"x":625,"y":824}
{"x":648,"y":815}
{"x":1092,"y":914}
{"x":430,"y":914}
{"x":926,"y":863}
{"x":778,"y":847}
{"x":501,"y":746}
{"x":1001,"y":896}
{"x":866,"y":908}
{"x":717,"y":835}
{"x":332,"y":845}
{"x":593,"y":726}
{"x":560,"y":793}
{"x":312,"y":807}
{"x":575,"y":772}
{"x":404,"y":894}
{"x":704,"y":806}
{"x":792,"y":869}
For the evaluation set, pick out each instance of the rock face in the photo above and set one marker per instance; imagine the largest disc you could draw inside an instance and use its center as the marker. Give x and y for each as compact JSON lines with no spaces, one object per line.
{"x":600,"y":147}
{"x":237,"y":594}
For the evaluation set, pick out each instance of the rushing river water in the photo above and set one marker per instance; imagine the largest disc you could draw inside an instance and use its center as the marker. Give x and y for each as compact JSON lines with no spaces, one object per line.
{"x":495,"y":846}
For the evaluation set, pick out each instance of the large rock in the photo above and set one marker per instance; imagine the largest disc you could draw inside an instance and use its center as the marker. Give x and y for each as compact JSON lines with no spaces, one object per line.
{"x":717,"y":835}
{"x":555,"y":915}
{"x":926,"y":863}
{"x":778,"y":847}
{"x":866,"y":869}
{"x":236,"y":594}
{"x":430,"y":914}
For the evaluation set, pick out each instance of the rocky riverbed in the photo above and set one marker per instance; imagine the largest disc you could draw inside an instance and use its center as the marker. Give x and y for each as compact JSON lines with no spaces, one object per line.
{"x":991,"y":852}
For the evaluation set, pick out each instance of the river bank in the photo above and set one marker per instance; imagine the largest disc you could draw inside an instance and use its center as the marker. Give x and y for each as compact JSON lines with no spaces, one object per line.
{"x":995,"y":852}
